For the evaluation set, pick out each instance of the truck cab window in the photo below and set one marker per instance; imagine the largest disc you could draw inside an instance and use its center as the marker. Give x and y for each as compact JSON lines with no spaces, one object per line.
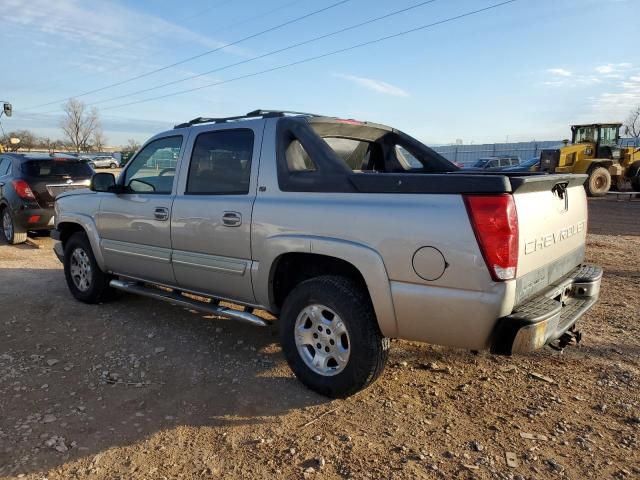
{"x":154,"y":167}
{"x":221,"y":163}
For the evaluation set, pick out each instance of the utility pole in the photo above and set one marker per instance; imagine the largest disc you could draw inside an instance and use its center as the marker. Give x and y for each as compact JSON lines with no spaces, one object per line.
{"x":7,"y":110}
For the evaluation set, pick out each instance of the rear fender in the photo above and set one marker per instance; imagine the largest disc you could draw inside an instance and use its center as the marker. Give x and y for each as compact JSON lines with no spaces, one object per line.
{"x":368,"y":262}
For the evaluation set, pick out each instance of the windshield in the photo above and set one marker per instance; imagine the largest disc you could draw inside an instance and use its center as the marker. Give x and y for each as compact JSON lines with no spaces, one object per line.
{"x":481,"y":162}
{"x":608,"y":135}
{"x":585,"y":135}
{"x":56,"y":168}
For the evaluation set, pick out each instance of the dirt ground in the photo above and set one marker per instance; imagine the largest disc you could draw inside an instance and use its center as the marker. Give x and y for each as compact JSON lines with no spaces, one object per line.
{"x":141,"y":389}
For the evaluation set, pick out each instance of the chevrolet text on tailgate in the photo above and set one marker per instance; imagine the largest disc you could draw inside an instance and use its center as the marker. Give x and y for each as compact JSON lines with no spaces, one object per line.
{"x":350,"y":233}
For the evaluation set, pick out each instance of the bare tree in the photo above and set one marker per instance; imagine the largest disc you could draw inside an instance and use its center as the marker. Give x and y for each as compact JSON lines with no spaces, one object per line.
{"x":132,"y":146}
{"x":28,"y":140}
{"x":79,"y":124}
{"x":98,"y":140}
{"x":57,"y":145}
{"x":632,"y":124}
{"x":44,"y":143}
{"x":6,"y":142}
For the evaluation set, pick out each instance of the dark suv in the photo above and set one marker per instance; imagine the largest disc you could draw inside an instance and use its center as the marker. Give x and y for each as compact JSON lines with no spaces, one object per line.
{"x":29,"y":184}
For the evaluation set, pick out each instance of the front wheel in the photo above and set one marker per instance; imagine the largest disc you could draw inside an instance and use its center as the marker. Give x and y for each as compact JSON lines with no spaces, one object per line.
{"x":112,"y":165}
{"x":599,"y":182}
{"x":85,"y":280}
{"x":330,"y":336}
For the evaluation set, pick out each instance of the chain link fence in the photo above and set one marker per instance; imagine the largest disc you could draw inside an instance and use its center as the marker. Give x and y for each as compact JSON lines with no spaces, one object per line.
{"x":468,"y":154}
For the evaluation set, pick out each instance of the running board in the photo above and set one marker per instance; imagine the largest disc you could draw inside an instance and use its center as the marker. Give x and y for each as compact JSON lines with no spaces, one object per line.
{"x":182,"y":301}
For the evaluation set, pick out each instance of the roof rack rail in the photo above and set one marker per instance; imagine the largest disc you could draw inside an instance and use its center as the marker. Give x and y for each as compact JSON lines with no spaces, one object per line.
{"x":278,"y":113}
{"x":253,"y":114}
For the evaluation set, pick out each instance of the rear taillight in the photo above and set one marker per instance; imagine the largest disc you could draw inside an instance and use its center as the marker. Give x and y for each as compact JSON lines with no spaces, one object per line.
{"x":23,"y":190}
{"x":495,"y":223}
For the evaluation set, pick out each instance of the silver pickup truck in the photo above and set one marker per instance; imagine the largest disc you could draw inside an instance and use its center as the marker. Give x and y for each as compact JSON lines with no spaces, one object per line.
{"x":349,"y":232}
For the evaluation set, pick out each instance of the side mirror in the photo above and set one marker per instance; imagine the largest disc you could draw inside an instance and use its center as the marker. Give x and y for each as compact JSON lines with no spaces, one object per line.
{"x":7,"y":109}
{"x":103,"y":182}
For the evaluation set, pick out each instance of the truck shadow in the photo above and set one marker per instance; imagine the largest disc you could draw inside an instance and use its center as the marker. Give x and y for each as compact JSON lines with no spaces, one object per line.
{"x":92,"y":377}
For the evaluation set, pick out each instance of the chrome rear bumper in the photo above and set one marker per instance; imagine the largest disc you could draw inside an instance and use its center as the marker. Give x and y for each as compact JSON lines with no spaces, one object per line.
{"x":547,"y":316}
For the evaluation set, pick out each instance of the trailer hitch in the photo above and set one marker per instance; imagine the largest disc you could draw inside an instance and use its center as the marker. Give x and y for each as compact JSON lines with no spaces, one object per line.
{"x":569,"y":337}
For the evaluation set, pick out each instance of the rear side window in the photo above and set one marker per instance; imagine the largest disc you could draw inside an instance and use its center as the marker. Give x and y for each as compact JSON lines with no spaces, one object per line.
{"x":56,"y":168}
{"x":5,"y":166}
{"x":298,"y":159}
{"x":221,"y":163}
{"x":407,"y":158}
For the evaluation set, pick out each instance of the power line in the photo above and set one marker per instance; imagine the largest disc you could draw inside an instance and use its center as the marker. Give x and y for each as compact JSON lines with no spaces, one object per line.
{"x":136,"y":40}
{"x":189,"y":59}
{"x":273,"y":52}
{"x":317,"y":57}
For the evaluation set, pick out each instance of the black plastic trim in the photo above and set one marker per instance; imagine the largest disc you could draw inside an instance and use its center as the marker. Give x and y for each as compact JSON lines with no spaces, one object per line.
{"x":429,"y":183}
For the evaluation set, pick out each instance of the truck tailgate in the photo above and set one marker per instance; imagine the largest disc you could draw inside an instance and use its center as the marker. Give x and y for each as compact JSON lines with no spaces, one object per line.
{"x":552,"y":223}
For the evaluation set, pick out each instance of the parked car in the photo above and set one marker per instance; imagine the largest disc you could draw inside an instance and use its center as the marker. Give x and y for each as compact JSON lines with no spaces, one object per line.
{"x":496,"y":162}
{"x":104,"y":161}
{"x":531,"y":165}
{"x":333,"y":227}
{"x":29,"y":184}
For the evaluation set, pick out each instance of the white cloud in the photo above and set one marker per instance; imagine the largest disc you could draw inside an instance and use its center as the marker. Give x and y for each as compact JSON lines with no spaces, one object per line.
{"x":103,"y":35}
{"x":609,"y":73}
{"x":561,"y":72}
{"x":617,"y":103}
{"x":613,"y":70}
{"x":375,"y":85}
{"x":604,"y":69}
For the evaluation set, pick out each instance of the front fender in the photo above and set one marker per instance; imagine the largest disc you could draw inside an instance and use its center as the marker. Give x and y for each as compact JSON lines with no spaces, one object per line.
{"x":89,"y":226}
{"x":368,"y":262}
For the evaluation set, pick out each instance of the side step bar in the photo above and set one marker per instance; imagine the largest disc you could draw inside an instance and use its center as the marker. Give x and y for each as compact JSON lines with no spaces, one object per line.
{"x":182,"y":301}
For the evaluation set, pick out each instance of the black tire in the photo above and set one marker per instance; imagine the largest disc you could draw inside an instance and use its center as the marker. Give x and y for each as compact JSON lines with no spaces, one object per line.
{"x":97,"y":288}
{"x":599,"y":182}
{"x":112,"y":165}
{"x":13,"y":237}
{"x":633,"y":172}
{"x":368,"y":349}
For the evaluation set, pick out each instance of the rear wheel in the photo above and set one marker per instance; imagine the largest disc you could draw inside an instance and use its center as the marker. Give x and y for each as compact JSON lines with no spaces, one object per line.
{"x":330,"y":336}
{"x":9,"y":232}
{"x":85,"y":280}
{"x":599,"y":182}
{"x":634,"y":175}
{"x":112,"y":165}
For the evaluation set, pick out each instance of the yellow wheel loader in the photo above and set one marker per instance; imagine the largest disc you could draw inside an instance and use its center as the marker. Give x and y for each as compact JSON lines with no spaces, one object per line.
{"x":594,"y":150}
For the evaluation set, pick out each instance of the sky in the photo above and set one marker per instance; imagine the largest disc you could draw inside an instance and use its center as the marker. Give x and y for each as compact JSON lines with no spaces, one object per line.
{"x":519,"y":72}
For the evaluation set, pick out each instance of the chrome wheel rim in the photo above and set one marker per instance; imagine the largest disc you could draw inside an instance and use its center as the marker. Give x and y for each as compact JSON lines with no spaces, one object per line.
{"x":322,"y":340}
{"x":80,"y":267}
{"x":7,"y":225}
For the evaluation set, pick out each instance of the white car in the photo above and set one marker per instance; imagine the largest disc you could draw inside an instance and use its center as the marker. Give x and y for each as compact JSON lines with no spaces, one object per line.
{"x":104,"y":161}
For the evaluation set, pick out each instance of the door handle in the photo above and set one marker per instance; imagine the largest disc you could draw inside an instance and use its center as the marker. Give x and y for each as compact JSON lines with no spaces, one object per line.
{"x":161,"y":213}
{"x":231,"y":219}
